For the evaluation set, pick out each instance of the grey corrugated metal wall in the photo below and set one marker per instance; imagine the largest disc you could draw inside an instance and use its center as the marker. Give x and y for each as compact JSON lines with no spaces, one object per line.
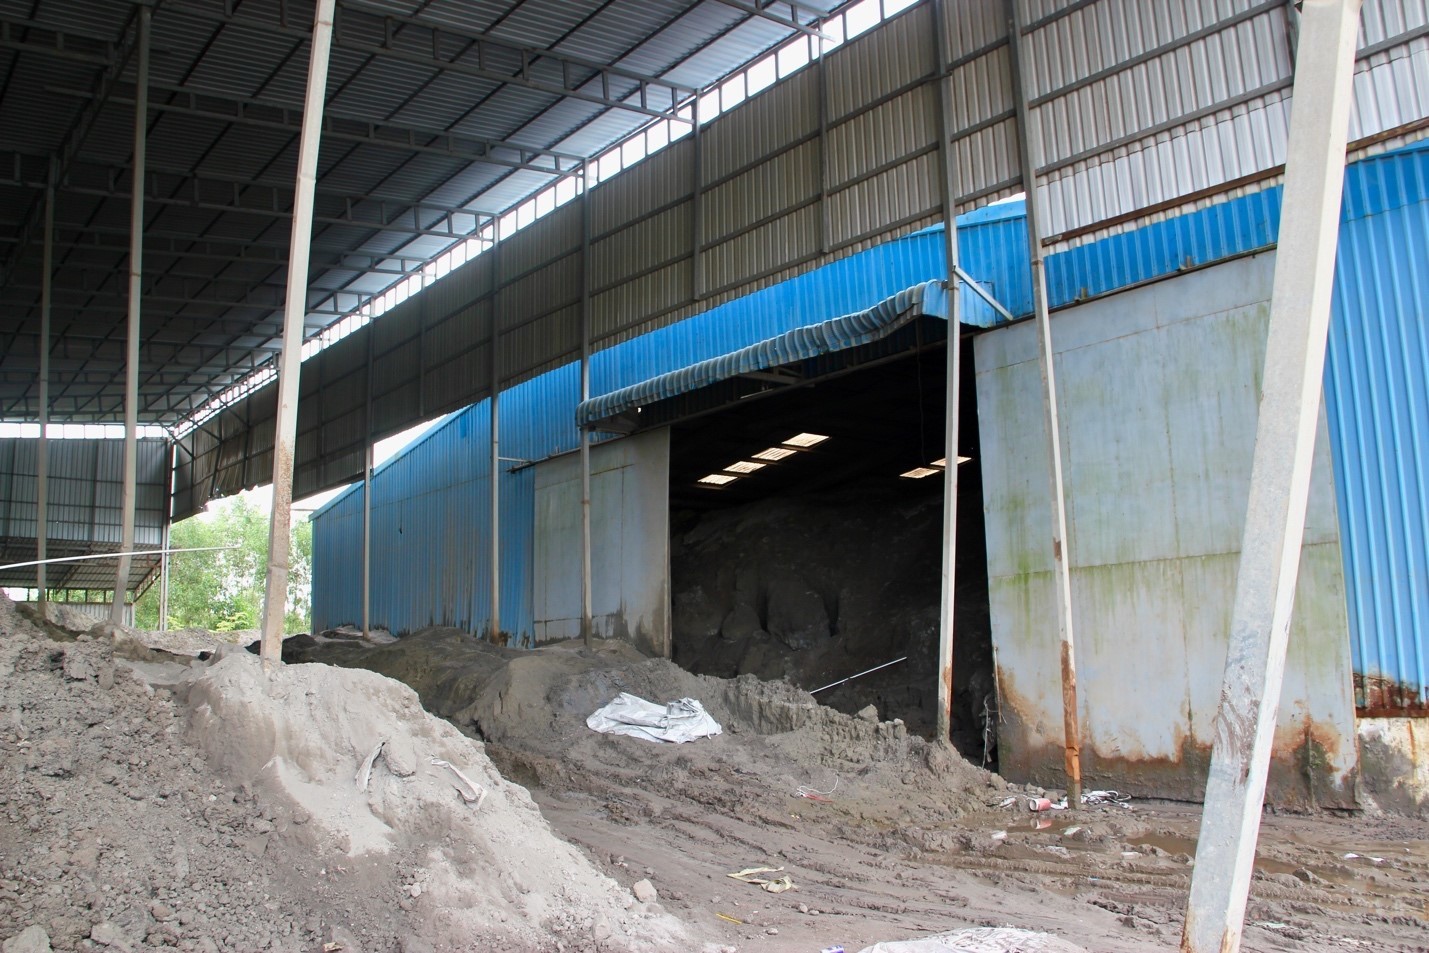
{"x":85,"y":484}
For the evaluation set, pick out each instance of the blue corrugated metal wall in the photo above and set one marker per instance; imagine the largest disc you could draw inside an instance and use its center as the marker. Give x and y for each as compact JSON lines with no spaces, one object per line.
{"x":1376,"y":373}
{"x":430,"y":525}
{"x":1377,"y":393}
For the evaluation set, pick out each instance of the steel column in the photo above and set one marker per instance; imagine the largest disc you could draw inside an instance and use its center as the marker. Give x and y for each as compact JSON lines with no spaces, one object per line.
{"x":494,"y":627}
{"x":697,"y":213}
{"x":1061,"y":564}
{"x":166,"y":541}
{"x":42,"y":460}
{"x":291,"y":360}
{"x":164,"y":576}
{"x":1279,"y":477}
{"x":587,"y":598}
{"x":131,"y":353}
{"x":367,"y":498}
{"x":952,"y":401}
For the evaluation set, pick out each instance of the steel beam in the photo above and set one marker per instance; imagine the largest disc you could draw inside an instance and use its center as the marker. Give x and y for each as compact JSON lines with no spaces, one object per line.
{"x":587,"y":597}
{"x":69,"y":147}
{"x":42,"y":460}
{"x":1279,"y":477}
{"x":494,"y":626}
{"x":1046,"y":361}
{"x":466,"y":53}
{"x":291,"y":360}
{"x":385,"y":135}
{"x":49,"y":41}
{"x":759,"y":9}
{"x":952,"y":402}
{"x":367,"y":494}
{"x":136,"y":280}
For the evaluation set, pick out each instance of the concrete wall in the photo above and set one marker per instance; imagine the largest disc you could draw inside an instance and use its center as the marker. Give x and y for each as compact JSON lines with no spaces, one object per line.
{"x":630,"y":543}
{"x":1159,"y":390}
{"x":1393,"y":770}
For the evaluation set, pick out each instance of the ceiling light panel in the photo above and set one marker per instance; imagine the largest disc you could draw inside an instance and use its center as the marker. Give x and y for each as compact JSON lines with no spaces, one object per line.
{"x":806,"y":440}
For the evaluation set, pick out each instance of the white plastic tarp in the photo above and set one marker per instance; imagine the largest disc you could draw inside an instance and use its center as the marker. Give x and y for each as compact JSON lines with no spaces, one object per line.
{"x":980,"y":940}
{"x":678,"y":722}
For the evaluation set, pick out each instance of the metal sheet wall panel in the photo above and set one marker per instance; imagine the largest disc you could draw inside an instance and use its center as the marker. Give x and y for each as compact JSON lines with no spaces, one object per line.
{"x":559,"y":235}
{"x":636,"y":248}
{"x":903,"y":193}
{"x":661,"y":179}
{"x":893,"y":132}
{"x":429,"y":510}
{"x":1194,"y":101}
{"x":881,"y":62}
{"x":1377,"y":389}
{"x":622,"y":305}
{"x":790,"y":238}
{"x":769,"y":188}
{"x":974,"y":28}
{"x":84,"y":487}
{"x":763,"y":125}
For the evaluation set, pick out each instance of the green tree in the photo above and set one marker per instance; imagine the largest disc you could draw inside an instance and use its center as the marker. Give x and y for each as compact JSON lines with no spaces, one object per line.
{"x":224,"y":590}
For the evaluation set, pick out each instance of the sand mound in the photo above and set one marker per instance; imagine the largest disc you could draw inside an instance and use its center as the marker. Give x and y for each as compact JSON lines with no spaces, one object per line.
{"x":222,"y":814}
{"x":493,"y":873}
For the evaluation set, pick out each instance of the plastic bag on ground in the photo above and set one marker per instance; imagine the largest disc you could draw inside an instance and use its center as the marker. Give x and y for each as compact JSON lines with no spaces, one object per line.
{"x":980,"y":940}
{"x":678,"y":722}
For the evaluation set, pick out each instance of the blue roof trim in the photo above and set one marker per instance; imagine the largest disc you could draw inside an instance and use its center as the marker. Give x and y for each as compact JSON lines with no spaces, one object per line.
{"x":836,"y":334}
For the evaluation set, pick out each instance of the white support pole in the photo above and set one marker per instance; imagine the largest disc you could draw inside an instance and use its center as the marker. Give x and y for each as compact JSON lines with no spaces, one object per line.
{"x":131,"y":351}
{"x":1279,"y":479}
{"x":1061,"y":564}
{"x":952,"y":400}
{"x":42,"y":461}
{"x":291,"y":360}
{"x":587,"y":597}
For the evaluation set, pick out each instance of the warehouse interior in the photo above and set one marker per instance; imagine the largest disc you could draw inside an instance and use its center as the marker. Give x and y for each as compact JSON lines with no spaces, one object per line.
{"x":1123,"y":596}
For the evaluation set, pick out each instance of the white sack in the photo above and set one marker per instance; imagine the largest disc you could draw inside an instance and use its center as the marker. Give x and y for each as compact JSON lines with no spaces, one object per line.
{"x":980,"y":940}
{"x":679,"y":721}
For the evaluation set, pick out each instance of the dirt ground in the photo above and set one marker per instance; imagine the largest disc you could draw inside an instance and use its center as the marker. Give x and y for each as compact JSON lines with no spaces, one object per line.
{"x":200,"y":810}
{"x":912,"y":840}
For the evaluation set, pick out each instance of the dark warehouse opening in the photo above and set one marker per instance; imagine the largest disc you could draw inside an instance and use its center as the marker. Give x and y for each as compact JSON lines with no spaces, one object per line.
{"x":806,"y":523}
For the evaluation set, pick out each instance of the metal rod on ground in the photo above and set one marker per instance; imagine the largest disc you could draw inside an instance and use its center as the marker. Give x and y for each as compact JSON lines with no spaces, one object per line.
{"x":1279,"y":477}
{"x":1046,"y":360}
{"x":42,"y":458}
{"x":867,"y":671}
{"x":291,"y":360}
{"x":952,"y":399}
{"x":129,"y":493}
{"x":587,"y":597}
{"x":133,"y":552}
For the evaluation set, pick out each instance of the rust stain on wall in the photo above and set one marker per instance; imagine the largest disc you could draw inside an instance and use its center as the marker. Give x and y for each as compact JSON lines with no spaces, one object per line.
{"x":1302,"y":776}
{"x":1378,"y":696}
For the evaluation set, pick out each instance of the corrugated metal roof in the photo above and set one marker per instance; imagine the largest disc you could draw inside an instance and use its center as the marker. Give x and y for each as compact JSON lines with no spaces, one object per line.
{"x":225,"y":103}
{"x":835,"y":334}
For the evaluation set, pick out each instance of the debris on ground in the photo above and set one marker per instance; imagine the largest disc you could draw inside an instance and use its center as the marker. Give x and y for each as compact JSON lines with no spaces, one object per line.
{"x":985,"y":940}
{"x":187,"y":803}
{"x":677,"y":722}
{"x":218,"y":812}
